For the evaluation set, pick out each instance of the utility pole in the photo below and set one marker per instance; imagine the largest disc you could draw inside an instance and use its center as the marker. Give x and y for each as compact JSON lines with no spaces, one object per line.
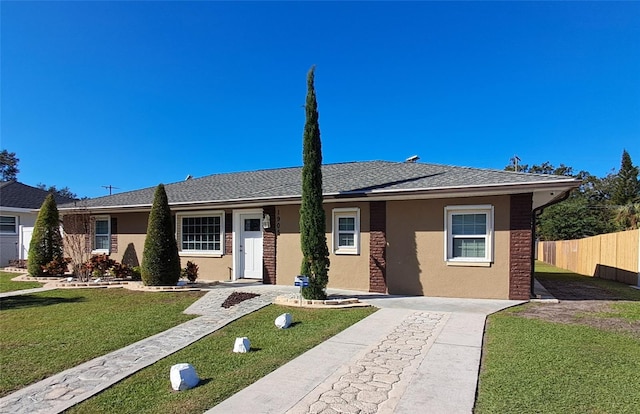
{"x":110,"y":188}
{"x":515,"y":162}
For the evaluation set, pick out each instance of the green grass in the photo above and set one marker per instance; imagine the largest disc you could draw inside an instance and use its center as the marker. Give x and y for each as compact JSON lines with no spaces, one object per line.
{"x":7,"y":285}
{"x":223,"y":372}
{"x":44,"y":333}
{"x":625,"y":310}
{"x":535,"y":366}
{"x":532,"y":366}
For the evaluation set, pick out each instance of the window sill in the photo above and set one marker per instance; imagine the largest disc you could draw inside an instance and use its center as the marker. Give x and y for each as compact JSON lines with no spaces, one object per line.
{"x":107,"y":252}
{"x":346,"y":253}
{"x":468,"y":264}
{"x":199,"y":254}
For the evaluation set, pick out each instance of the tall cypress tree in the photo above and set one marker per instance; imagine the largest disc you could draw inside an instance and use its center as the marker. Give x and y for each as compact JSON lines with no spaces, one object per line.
{"x":46,"y":240}
{"x":160,"y":259}
{"x":313,"y":240}
{"x":627,"y":187}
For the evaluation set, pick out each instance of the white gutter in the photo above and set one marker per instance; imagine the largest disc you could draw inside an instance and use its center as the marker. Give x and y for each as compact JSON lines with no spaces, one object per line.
{"x":18,"y":210}
{"x":541,"y":185}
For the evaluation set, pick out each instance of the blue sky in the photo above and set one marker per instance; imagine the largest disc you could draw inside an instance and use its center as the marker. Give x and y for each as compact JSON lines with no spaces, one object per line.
{"x":132,"y":94}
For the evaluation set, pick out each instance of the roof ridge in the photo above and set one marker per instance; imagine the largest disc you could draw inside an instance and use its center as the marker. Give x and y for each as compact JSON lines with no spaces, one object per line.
{"x":275,"y":169}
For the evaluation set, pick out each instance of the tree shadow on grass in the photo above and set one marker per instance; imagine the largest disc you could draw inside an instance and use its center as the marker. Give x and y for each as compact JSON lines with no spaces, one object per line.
{"x":568,"y":286}
{"x":30,"y":301}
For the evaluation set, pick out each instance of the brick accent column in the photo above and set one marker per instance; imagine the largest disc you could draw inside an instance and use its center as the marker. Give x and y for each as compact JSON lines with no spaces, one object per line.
{"x":228,"y":233}
{"x":269,"y":242}
{"x":378,"y":246}
{"x":114,"y":235}
{"x":520,"y":248}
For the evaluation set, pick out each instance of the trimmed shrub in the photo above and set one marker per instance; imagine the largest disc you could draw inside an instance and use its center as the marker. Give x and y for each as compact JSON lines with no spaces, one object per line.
{"x":46,"y":240}
{"x":190,"y":272}
{"x":136,"y":273}
{"x":160,"y":259}
{"x":120,"y":270}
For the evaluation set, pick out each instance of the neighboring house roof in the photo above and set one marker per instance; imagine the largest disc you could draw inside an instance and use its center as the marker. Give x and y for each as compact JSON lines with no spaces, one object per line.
{"x":379,"y":179}
{"x":17,"y":195}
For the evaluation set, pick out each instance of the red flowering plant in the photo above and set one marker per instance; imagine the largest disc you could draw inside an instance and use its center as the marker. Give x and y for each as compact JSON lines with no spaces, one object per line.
{"x":99,"y":265}
{"x":56,"y":267}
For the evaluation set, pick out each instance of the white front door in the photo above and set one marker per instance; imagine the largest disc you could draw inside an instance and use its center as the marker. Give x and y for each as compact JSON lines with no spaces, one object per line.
{"x":250,"y":246}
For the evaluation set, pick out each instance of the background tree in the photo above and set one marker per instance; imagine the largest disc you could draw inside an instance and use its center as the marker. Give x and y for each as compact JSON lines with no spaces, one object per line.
{"x":626,"y":188}
{"x":46,"y":241}
{"x":627,"y":217}
{"x":313,"y":239}
{"x":8,"y":165}
{"x":64,"y":191}
{"x":586,"y":212}
{"x":160,"y":259}
{"x":574,"y":218}
{"x":599,"y":205}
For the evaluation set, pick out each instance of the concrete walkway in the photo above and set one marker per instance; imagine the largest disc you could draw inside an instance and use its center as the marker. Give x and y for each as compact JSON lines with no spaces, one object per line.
{"x":25,"y":292}
{"x":415,"y":354}
{"x":63,"y":390}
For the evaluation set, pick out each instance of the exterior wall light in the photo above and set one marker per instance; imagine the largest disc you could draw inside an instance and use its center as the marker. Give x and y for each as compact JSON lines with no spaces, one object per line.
{"x":266,"y":221}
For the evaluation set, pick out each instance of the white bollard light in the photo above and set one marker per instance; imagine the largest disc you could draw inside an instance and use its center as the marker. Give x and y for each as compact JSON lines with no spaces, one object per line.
{"x":284,"y":321}
{"x":242,"y":345}
{"x":183,"y":377}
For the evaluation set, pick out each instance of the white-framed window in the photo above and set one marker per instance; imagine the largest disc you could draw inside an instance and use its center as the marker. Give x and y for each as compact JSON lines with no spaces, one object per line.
{"x":200,"y":232}
{"x":346,"y":230}
{"x":8,"y":225}
{"x":469,"y":234}
{"x":101,"y":234}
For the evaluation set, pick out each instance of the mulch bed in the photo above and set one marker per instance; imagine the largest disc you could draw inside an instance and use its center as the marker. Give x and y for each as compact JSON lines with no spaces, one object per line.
{"x":237,"y":297}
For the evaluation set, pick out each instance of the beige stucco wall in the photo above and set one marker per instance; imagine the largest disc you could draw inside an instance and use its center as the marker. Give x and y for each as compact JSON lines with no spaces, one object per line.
{"x":211,"y":268}
{"x":132,"y":228}
{"x":345,"y":271}
{"x":415,"y":251}
{"x":414,"y":257}
{"x":131,"y":236}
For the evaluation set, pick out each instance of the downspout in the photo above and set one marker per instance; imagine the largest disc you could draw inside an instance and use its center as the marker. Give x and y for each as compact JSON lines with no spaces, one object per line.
{"x":536,"y":212}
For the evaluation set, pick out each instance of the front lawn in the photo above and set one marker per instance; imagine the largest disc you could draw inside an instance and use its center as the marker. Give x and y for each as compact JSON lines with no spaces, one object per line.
{"x":533,"y":366}
{"x":578,"y":356}
{"x":7,"y":285}
{"x":223,"y":372}
{"x":45,"y":333}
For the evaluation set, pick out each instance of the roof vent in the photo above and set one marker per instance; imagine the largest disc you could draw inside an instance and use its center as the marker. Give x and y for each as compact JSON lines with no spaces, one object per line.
{"x":188,"y":177}
{"x":412,"y":159}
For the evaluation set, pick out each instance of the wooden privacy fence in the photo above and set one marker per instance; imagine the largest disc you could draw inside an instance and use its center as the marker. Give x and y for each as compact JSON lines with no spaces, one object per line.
{"x":612,"y":256}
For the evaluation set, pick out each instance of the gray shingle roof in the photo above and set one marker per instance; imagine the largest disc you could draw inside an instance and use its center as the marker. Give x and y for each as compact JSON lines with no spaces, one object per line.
{"x":353,"y":178}
{"x":17,"y":195}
